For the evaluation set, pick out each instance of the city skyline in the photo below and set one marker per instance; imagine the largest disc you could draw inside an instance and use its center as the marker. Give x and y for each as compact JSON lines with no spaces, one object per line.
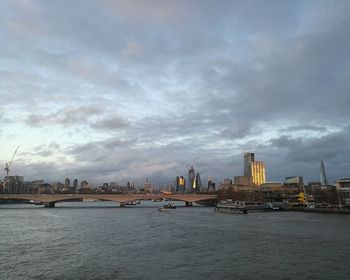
{"x":127,"y":90}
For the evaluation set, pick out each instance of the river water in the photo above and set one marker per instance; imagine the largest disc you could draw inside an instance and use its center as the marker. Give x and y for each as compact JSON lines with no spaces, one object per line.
{"x":98,"y":240}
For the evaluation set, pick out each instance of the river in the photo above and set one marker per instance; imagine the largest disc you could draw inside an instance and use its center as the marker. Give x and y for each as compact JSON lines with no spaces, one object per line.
{"x":99,"y":240}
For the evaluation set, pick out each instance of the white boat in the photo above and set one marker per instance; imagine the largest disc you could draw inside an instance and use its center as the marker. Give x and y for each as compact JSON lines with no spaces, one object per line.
{"x":232,"y":207}
{"x":130,"y":203}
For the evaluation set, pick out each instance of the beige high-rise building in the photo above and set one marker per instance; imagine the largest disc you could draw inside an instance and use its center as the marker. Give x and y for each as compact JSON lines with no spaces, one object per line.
{"x":258,"y":172}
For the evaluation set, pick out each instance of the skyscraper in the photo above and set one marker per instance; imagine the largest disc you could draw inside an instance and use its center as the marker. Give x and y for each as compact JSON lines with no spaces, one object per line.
{"x":254,"y":171}
{"x":191,"y":180}
{"x":198,"y":183}
{"x":258,"y":172}
{"x":248,"y":159}
{"x":180,"y":184}
{"x":67,"y":183}
{"x":323,"y":177}
{"x":75,"y":183}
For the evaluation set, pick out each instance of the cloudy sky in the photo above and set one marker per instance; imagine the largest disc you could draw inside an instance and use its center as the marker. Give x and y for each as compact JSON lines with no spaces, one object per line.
{"x":124,"y":90}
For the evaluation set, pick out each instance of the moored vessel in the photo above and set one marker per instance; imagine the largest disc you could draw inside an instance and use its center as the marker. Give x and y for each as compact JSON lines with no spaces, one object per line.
{"x":232,"y":207}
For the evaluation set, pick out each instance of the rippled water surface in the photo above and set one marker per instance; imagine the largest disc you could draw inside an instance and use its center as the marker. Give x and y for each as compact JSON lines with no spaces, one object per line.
{"x":98,"y":240}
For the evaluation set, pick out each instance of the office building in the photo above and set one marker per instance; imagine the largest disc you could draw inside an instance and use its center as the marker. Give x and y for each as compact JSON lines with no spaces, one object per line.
{"x":75,"y":183}
{"x":180,"y":184}
{"x":210,"y":184}
{"x":258,"y":172}
{"x":197,"y":186}
{"x":191,"y":180}
{"x":254,"y":170}
{"x":294,"y":180}
{"x":343,"y":187}
{"x":248,"y":159}
{"x":243,"y":180}
{"x":67,"y":183}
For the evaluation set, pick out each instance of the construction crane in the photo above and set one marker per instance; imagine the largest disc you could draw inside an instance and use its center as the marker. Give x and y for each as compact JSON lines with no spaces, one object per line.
{"x":7,"y":168}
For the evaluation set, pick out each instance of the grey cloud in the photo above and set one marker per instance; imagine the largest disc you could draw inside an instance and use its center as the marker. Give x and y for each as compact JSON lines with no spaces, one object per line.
{"x":110,"y":124}
{"x":305,"y":128}
{"x":313,"y":149}
{"x":68,"y":115}
{"x":304,"y":154}
{"x":195,"y":82}
{"x":98,"y":148}
{"x":239,"y":131}
{"x":81,"y":115}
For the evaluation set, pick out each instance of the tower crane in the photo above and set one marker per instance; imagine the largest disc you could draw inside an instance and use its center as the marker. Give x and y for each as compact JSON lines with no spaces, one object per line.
{"x":7,"y":168}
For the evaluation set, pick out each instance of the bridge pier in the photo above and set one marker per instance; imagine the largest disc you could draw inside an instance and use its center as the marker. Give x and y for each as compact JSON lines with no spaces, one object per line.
{"x":49,"y":204}
{"x":188,"y":204}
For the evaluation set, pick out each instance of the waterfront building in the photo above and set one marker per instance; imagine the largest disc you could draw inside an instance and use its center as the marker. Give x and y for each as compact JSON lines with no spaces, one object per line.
{"x":225,"y":184}
{"x":58,"y":187}
{"x":13,"y":184}
{"x":84,"y":184}
{"x":258,"y":172}
{"x":344,"y":182}
{"x":75,"y":183}
{"x":272,"y":186}
{"x":253,"y":169}
{"x":40,"y":187}
{"x":248,"y":159}
{"x":243,"y":180}
{"x":67,"y":183}
{"x":130,"y":187}
{"x":313,"y":186}
{"x":210,"y":185}
{"x":293,"y":182}
{"x":343,"y":187}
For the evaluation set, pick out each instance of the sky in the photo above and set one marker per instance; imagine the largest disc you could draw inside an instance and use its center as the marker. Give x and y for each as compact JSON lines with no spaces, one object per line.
{"x":109,"y":91}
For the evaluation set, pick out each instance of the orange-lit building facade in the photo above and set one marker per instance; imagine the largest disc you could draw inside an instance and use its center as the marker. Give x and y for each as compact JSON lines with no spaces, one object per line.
{"x":258,"y":172}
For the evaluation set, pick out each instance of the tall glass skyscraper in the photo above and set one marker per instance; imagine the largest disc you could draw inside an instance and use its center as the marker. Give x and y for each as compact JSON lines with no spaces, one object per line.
{"x":198,"y":183}
{"x":191,"y":180}
{"x":323,"y":177}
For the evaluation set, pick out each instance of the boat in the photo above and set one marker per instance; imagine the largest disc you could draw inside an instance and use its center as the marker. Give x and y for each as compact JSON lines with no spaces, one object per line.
{"x":36,"y":202}
{"x":232,"y":207}
{"x":170,"y":205}
{"x":89,"y":200}
{"x":161,"y":209}
{"x":130,"y":203}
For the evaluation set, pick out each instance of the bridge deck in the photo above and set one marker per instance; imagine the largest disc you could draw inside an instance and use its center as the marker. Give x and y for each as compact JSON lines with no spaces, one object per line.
{"x":51,"y":198}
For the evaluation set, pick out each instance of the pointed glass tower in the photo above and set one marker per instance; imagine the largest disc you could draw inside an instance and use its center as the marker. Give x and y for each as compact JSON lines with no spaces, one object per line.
{"x":323,"y":178}
{"x":191,"y":180}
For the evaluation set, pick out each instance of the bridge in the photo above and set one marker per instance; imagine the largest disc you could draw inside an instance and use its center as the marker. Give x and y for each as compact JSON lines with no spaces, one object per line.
{"x":49,"y":200}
